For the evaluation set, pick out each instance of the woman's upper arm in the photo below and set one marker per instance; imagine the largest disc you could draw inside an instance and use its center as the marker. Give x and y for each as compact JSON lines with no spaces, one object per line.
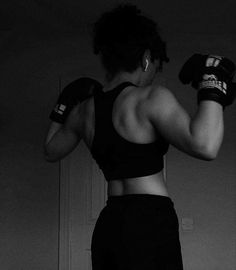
{"x":62,"y":139}
{"x":53,"y":128}
{"x":172,"y":121}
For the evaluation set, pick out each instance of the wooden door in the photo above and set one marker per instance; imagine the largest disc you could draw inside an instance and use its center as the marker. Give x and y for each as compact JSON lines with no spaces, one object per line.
{"x":82,"y":196}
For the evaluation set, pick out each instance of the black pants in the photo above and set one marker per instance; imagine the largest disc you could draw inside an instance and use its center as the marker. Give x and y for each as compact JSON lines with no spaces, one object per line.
{"x":137,"y":231}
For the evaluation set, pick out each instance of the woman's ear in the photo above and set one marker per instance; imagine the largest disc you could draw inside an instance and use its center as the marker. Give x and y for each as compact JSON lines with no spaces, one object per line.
{"x":146,"y":60}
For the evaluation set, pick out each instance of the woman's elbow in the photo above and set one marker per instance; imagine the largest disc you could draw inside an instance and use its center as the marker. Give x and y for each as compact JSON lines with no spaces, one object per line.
{"x":209,"y":156}
{"x":49,"y":157}
{"x":208,"y":152}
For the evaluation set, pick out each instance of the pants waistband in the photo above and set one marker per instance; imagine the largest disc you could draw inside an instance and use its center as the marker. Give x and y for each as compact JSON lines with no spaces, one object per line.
{"x":140,"y":198}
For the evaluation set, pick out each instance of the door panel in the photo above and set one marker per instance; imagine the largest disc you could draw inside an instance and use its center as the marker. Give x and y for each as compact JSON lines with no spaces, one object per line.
{"x":83,"y":195}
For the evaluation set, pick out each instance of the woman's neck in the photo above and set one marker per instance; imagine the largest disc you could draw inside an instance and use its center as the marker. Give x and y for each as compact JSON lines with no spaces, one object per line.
{"x":120,"y":78}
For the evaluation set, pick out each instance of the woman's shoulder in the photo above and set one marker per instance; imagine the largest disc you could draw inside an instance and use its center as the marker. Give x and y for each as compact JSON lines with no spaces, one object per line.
{"x":155,"y":94}
{"x":158,"y":91}
{"x":158,"y":100}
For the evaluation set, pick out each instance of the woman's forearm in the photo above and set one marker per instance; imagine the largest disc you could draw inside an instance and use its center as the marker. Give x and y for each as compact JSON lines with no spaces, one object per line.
{"x":207,"y":126}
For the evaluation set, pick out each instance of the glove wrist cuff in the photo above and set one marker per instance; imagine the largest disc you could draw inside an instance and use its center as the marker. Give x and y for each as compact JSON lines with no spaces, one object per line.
{"x":212,"y":94}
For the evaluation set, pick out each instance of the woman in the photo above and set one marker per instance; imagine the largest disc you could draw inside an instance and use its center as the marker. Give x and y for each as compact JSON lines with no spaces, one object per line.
{"x":128,"y":129}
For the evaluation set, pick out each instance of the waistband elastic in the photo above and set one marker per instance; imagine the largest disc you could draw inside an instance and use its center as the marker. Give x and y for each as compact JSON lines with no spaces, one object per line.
{"x":140,"y":198}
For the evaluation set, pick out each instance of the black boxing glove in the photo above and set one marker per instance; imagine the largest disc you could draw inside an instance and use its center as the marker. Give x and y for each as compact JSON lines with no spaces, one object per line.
{"x":77,"y":91}
{"x":212,"y":76}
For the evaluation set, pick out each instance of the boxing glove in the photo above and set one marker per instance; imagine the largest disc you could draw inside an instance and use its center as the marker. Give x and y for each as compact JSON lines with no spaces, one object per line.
{"x":212,"y":76}
{"x":77,"y":91}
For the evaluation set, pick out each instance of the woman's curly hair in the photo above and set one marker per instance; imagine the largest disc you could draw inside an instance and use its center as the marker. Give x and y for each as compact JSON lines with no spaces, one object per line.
{"x":122,"y":35}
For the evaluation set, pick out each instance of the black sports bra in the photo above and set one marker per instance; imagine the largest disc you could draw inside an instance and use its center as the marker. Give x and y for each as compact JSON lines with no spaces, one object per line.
{"x":117,"y":157}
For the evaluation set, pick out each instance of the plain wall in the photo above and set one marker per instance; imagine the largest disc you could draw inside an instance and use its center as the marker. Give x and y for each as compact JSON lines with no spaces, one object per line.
{"x":204,"y":191}
{"x":32,"y":63}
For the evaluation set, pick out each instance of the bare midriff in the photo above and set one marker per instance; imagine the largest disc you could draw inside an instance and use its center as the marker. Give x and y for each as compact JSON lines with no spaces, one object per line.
{"x":151,"y":184}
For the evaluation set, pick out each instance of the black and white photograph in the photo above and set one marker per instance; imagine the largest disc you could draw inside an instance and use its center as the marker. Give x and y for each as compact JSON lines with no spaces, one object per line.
{"x":117,"y":135}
